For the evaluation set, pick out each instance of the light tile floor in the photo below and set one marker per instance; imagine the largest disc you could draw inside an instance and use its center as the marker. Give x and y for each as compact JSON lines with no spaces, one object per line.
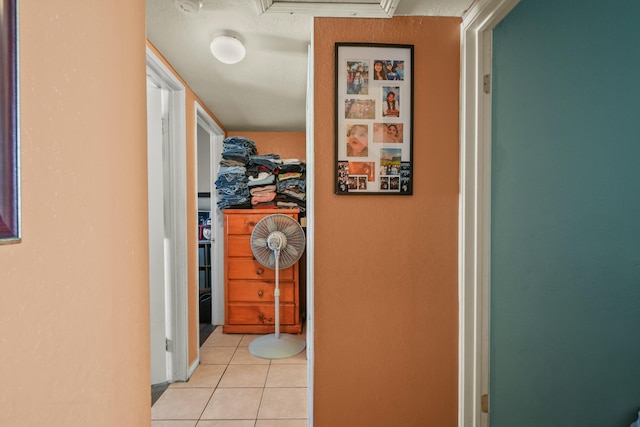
{"x":233,"y":388}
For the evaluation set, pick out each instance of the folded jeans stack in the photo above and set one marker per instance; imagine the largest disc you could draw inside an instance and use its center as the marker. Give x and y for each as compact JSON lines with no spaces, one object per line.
{"x":232,"y":182}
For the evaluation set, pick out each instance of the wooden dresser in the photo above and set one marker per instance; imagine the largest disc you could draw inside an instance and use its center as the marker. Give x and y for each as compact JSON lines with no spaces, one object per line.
{"x":248,"y":285}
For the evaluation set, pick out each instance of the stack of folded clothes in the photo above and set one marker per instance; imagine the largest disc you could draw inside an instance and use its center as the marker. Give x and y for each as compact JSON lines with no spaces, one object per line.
{"x":232,"y":182}
{"x":291,"y":185}
{"x":248,"y":180}
{"x":262,"y":170}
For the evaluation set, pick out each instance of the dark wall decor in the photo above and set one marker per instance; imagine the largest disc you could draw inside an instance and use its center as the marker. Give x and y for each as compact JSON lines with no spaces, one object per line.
{"x":9,"y":141}
{"x":374,"y":119}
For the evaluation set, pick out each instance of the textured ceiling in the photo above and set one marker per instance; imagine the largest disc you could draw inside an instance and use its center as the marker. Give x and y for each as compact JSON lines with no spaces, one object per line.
{"x":266,"y":91}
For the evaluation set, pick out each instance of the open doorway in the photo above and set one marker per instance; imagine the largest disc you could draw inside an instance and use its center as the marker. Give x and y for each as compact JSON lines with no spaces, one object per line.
{"x":207,"y":129}
{"x":167,"y":223}
{"x":209,"y":138}
{"x":475,"y":177}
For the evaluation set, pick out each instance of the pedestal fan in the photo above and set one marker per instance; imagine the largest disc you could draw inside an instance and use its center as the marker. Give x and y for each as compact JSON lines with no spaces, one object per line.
{"x":277,"y":242}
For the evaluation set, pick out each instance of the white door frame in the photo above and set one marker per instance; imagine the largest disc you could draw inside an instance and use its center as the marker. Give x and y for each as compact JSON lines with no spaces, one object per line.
{"x":156,"y":112}
{"x":475,"y":207}
{"x":176,"y":219}
{"x":216,"y":137}
{"x":310,"y":209}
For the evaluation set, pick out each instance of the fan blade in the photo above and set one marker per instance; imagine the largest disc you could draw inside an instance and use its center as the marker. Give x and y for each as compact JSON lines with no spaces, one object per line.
{"x":290,"y":230}
{"x":271,"y":225}
{"x":291,"y":250}
{"x":259,"y":243}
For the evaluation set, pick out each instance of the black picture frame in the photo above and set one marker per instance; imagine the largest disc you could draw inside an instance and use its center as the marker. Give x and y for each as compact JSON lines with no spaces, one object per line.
{"x":9,"y":131}
{"x":373,"y":119}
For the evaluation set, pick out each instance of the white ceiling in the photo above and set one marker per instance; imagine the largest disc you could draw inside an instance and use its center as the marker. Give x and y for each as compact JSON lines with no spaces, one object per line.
{"x":265,"y":92}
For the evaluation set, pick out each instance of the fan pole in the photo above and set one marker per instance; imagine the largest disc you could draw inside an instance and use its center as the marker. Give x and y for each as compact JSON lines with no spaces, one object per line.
{"x":268,"y":238}
{"x":276,"y":293}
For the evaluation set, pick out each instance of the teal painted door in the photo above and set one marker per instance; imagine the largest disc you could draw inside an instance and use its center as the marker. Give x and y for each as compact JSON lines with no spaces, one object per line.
{"x":565,"y":203}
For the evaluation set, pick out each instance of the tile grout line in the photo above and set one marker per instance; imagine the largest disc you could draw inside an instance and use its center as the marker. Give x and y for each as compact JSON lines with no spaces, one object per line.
{"x":219,"y":380}
{"x":215,"y":387}
{"x":264,"y":386}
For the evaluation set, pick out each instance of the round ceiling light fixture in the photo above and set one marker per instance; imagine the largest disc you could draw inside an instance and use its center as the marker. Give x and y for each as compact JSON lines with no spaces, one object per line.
{"x":227,"y":49}
{"x":189,"y":6}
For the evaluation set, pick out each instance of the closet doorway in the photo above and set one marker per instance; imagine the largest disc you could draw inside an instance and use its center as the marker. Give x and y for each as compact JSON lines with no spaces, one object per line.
{"x":209,"y":138}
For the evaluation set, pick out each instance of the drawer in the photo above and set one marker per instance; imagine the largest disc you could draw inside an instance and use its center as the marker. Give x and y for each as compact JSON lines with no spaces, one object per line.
{"x":251,"y":269}
{"x":245,"y":222}
{"x":258,"y":291}
{"x":260,"y":314}
{"x":238,"y":245}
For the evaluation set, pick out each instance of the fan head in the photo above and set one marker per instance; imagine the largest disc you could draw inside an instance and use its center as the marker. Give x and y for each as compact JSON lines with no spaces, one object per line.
{"x":279,"y":236}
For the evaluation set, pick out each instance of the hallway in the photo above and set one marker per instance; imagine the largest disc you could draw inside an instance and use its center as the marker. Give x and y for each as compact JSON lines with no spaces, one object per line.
{"x":233,"y":388}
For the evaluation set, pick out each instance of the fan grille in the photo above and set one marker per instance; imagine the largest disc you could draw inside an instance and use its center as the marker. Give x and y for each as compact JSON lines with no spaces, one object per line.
{"x":292,"y":245}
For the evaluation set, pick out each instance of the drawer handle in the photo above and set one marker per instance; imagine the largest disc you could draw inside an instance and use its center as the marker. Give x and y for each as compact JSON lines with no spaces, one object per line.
{"x":260,"y":293}
{"x":262,"y":318}
{"x":251,"y":223}
{"x":260,"y":271}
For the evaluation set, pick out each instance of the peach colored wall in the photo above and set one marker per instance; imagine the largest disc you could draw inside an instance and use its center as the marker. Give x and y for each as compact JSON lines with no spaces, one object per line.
{"x":386,"y":267}
{"x":74,"y":310}
{"x":192,"y":222}
{"x":289,"y":145}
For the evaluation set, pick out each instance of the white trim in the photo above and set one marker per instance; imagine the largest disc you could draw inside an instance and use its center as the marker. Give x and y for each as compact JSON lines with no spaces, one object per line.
{"x":160,"y":359}
{"x":381,"y":9}
{"x":177,"y":219}
{"x":310,"y":206}
{"x":217,"y":257}
{"x":474,"y":220}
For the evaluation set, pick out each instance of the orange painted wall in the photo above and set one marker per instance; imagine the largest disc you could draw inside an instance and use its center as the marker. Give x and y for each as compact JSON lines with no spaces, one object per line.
{"x":74,"y":310}
{"x":289,"y":145}
{"x":386,"y":267}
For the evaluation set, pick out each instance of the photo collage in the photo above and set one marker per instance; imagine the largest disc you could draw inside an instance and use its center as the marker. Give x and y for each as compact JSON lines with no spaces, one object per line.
{"x":373,"y":119}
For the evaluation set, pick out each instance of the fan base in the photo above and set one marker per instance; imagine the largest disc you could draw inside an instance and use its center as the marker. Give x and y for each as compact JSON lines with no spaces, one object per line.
{"x":270,"y":347}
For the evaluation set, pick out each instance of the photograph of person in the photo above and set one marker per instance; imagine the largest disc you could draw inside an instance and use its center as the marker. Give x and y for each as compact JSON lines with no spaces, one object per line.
{"x":362,"y":183}
{"x":357,"y":77}
{"x":343,"y":177}
{"x":399,"y":69}
{"x":394,"y":132}
{"x":391,"y":101}
{"x":363,"y":168}
{"x":390,"y":159}
{"x":390,"y":71}
{"x":353,"y":183}
{"x":357,"y":140}
{"x":405,"y":177}
{"x":384,"y":183}
{"x":394,"y":183}
{"x":387,"y":132}
{"x":359,"y":109}
{"x":389,"y":168}
{"x":379,"y":72}
{"x":404,"y":185}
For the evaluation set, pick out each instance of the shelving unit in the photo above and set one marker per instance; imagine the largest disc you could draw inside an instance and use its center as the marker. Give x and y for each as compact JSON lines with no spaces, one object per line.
{"x":204,"y":280}
{"x":204,"y":256}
